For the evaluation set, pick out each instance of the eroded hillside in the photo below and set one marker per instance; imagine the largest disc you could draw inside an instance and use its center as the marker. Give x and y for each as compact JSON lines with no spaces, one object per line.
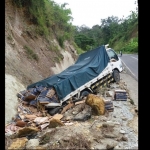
{"x":28,"y":56}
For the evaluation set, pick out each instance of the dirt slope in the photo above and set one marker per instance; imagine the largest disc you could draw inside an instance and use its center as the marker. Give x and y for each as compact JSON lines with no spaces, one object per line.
{"x":18,"y":66}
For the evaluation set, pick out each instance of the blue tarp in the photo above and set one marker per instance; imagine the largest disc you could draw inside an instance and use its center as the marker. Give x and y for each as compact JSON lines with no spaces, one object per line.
{"x":88,"y":66}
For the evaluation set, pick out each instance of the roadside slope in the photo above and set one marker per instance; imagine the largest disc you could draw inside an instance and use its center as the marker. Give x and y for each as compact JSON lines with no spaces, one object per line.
{"x":28,"y":56}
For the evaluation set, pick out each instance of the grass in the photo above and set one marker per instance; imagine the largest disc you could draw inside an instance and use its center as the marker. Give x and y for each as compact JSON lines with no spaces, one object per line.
{"x":131,"y":101}
{"x":53,"y":47}
{"x":9,"y":38}
{"x":79,"y":50}
{"x":31,"y":54}
{"x":58,"y":58}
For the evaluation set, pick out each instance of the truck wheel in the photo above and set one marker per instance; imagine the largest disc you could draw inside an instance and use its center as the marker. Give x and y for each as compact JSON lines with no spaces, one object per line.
{"x":116,"y":75}
{"x":54,"y":110}
{"x":84,"y":93}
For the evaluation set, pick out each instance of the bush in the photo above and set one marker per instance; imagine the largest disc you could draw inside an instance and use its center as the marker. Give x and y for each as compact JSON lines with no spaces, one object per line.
{"x":131,"y":47}
{"x":31,"y":53}
{"x":61,"y":41}
{"x":79,"y":50}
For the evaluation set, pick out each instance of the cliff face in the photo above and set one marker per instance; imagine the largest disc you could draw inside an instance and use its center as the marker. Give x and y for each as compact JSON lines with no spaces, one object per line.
{"x":28,"y":56}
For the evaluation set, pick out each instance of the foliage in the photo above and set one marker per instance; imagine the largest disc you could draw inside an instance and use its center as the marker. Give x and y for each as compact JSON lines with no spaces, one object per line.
{"x":53,"y":47}
{"x":61,"y":41}
{"x":131,"y":47}
{"x":131,"y":101}
{"x":31,"y":53}
{"x":117,"y":32}
{"x":84,"y":42}
{"x":79,"y":50}
{"x":48,"y":17}
{"x":51,"y":18}
{"x":9,"y":37}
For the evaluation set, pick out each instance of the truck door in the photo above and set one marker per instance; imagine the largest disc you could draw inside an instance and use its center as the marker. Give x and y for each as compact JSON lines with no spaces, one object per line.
{"x":115,"y":61}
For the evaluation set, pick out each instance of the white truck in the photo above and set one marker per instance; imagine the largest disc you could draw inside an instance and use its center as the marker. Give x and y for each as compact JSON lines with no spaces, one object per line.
{"x":92,"y":69}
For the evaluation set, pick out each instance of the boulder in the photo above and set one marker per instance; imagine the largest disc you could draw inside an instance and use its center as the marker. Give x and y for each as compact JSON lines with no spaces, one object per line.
{"x":83,"y":115}
{"x":32,"y":143}
{"x":97,"y":104}
{"x":55,"y":123}
{"x":27,"y":131}
{"x":19,"y":143}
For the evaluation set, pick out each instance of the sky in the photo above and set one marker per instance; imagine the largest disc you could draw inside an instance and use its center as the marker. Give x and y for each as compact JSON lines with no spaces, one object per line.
{"x":90,"y":12}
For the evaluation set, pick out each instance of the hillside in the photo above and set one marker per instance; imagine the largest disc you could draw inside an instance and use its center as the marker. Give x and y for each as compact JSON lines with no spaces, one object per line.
{"x":28,"y":56}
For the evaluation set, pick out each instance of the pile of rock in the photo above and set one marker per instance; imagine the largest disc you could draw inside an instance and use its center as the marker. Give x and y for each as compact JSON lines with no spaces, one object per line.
{"x":38,"y":96}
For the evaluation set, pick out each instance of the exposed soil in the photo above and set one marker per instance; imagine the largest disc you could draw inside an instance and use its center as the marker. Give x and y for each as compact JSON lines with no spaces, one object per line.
{"x":19,"y":33}
{"x":18,"y":66}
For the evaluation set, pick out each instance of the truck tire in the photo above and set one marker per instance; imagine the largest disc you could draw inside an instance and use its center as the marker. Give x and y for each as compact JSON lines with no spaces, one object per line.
{"x":116,"y":76}
{"x":85,"y":93}
{"x":54,"y":110}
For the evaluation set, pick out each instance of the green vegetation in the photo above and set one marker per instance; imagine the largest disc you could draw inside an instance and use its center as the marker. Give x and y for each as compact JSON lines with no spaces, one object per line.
{"x":51,"y":19}
{"x":61,"y":41}
{"x":131,"y":47}
{"x":31,"y":53}
{"x":131,"y":101}
{"x":53,"y":47}
{"x":79,"y":50}
{"x":48,"y":17}
{"x":121,"y":34}
{"x":10,"y":37}
{"x":84,"y":42}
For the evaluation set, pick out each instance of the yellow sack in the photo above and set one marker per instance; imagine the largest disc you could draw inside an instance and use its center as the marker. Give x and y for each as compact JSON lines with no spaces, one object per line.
{"x":97,"y":104}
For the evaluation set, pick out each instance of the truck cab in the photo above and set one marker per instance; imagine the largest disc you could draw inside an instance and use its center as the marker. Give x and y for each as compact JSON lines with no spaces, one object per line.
{"x":115,"y":63}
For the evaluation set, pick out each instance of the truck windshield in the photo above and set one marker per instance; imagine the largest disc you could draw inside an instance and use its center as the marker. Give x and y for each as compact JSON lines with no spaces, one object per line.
{"x":112,"y":54}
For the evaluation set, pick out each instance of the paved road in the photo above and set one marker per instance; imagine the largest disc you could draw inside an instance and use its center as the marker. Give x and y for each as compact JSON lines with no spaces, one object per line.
{"x":131,"y":62}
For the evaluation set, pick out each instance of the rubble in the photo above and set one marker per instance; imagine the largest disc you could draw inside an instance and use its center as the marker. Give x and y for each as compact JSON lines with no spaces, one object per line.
{"x":70,"y":105}
{"x":11,"y":128}
{"x":26,"y":131}
{"x":21,"y":123}
{"x":55,"y":123}
{"x":82,"y":115}
{"x":57,"y":116}
{"x":32,"y":143}
{"x":122,"y":131}
{"x":111,"y":146}
{"x":97,"y":104}
{"x":19,"y":143}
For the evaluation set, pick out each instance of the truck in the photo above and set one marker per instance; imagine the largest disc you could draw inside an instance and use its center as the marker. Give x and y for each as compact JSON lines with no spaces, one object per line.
{"x":94,"y":68}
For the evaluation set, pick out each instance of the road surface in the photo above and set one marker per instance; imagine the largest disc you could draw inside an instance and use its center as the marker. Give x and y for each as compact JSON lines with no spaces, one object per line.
{"x":131,"y":62}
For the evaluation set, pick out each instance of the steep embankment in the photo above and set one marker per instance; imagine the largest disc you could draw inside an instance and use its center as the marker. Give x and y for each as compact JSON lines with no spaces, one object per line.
{"x":28,"y":56}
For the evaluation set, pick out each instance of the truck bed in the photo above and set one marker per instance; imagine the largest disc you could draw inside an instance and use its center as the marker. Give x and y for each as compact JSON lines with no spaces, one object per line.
{"x":90,"y":67}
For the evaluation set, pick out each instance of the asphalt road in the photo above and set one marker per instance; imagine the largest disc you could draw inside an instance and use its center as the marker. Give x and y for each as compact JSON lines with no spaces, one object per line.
{"x":131,"y":63}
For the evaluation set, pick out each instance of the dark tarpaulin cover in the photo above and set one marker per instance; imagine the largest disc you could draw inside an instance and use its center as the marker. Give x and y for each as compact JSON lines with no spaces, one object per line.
{"x":88,"y":66}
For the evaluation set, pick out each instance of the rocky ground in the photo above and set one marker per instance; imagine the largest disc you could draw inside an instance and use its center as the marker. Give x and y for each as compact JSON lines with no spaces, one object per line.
{"x":116,"y":130}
